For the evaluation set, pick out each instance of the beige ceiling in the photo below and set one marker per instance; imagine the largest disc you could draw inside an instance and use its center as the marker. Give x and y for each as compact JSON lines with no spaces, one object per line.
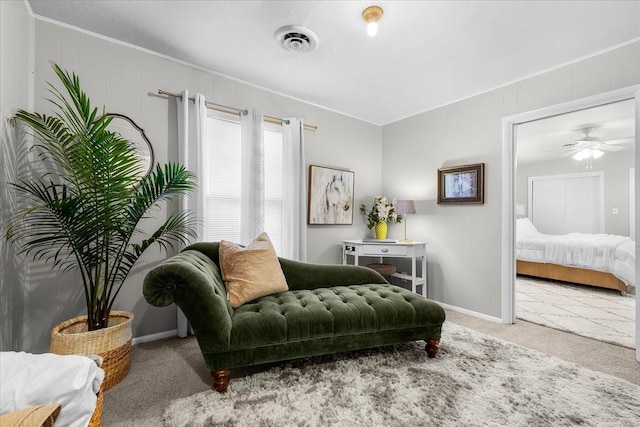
{"x":426,"y":54}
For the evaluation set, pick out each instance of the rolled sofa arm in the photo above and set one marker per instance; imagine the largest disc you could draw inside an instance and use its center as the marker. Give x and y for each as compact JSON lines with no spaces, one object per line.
{"x":310,"y":276}
{"x":193,"y":281}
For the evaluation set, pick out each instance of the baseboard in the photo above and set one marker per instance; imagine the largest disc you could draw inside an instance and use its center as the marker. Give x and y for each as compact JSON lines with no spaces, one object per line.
{"x":154,"y":337}
{"x":471,"y":313}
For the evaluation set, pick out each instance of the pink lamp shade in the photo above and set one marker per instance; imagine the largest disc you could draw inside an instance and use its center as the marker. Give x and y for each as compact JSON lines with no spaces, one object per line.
{"x":404,"y":207}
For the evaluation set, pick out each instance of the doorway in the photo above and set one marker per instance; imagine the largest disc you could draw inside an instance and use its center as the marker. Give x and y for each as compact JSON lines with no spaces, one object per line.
{"x":510,"y":166}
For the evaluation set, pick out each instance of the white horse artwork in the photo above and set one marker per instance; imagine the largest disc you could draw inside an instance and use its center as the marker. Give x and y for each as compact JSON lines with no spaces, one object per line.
{"x":331,"y":196}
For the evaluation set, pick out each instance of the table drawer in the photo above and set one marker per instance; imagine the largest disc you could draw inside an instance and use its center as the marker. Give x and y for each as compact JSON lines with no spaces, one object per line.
{"x":384,"y":250}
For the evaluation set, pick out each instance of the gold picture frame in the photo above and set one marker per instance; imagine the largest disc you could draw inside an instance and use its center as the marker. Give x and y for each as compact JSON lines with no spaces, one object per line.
{"x":462,"y":184}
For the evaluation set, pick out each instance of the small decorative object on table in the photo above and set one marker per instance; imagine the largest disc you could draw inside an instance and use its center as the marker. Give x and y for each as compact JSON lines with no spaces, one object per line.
{"x":380,"y":214}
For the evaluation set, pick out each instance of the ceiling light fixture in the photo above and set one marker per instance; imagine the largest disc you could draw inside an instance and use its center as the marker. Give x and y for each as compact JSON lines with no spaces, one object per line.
{"x":588,"y":153}
{"x":371,"y":16}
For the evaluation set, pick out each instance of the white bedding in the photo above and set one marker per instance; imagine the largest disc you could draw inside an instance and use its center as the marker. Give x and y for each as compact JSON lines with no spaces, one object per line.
{"x":601,"y":252}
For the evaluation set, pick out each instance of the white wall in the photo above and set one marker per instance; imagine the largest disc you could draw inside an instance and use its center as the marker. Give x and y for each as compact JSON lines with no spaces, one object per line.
{"x":16,"y":64}
{"x":122,"y":78}
{"x":616,"y":169}
{"x":465,"y":241}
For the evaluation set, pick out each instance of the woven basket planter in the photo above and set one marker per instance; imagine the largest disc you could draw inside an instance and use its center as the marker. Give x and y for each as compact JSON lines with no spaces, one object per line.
{"x":96,"y":418}
{"x":113,"y":344}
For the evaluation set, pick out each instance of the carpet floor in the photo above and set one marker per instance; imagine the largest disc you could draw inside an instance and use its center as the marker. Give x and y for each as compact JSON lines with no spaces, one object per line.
{"x":168,"y":370}
{"x":601,"y":314}
{"x":477,"y":380}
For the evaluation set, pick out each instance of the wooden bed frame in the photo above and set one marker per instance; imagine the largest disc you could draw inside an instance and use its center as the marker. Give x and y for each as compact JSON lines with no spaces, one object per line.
{"x":571,"y":274}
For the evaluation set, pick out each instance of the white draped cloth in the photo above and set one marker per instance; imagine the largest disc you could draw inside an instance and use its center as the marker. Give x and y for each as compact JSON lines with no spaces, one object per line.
{"x":42,"y":379}
{"x":294,"y":188}
{"x":192,"y":133}
{"x":252,"y":182}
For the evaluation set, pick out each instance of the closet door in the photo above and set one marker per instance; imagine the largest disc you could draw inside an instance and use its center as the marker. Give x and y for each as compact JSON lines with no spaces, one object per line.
{"x":561,"y":204}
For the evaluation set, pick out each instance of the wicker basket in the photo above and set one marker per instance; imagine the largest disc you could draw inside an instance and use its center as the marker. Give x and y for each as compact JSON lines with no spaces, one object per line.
{"x":96,"y":418}
{"x":113,"y":344}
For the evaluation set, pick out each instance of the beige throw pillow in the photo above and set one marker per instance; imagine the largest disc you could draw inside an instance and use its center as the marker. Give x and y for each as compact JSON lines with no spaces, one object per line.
{"x":251,"y":272}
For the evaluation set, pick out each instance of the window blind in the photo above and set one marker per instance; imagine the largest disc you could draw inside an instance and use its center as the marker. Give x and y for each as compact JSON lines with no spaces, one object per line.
{"x":222,"y":181}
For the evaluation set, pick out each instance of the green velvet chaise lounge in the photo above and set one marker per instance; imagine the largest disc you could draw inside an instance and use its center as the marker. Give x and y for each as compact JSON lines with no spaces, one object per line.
{"x":327,"y":309}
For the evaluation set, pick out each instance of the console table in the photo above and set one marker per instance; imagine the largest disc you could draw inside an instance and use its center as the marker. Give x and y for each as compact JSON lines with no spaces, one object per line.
{"x":381,"y":250}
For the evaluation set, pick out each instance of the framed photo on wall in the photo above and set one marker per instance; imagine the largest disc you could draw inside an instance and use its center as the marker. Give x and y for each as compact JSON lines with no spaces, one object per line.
{"x":461,"y":184}
{"x":330,"y":195}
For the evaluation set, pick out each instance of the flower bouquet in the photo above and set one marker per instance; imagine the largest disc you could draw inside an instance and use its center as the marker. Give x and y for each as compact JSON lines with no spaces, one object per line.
{"x":381,"y":213}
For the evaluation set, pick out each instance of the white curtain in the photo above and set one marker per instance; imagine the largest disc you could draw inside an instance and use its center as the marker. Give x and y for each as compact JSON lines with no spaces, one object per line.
{"x":294,"y":226}
{"x":252,"y":185}
{"x":192,"y":126}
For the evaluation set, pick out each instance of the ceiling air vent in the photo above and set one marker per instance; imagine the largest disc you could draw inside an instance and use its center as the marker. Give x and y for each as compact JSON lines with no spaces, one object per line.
{"x":296,"y":38}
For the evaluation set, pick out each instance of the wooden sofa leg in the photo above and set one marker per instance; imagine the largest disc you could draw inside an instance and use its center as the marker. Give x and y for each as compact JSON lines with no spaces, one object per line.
{"x":220,"y":380}
{"x":432,"y":347}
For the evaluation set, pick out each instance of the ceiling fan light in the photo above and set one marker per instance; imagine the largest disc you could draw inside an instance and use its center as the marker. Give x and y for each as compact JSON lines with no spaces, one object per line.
{"x":596,"y":154}
{"x":582,"y":154}
{"x":587,"y":153}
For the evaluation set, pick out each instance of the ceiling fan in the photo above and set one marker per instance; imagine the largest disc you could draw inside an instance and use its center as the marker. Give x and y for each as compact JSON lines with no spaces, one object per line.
{"x":591,"y":147}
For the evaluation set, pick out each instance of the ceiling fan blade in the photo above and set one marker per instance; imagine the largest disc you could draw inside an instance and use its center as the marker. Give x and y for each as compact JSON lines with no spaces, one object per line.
{"x":609,"y":148}
{"x":571,"y":153}
{"x":555,"y":149}
{"x":626,"y":140}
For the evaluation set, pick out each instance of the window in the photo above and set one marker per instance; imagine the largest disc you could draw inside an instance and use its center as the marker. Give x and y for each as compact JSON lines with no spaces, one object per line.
{"x":221,"y":180}
{"x":273,"y":186}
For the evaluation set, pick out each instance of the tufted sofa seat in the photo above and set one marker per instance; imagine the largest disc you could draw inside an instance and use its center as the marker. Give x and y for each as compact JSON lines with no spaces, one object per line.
{"x":328,"y":308}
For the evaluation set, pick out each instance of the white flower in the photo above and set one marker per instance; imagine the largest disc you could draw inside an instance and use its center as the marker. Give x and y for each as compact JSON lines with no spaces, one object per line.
{"x":382,"y":211}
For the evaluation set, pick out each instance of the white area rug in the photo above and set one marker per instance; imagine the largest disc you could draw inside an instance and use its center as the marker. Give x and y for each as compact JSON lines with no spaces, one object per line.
{"x":601,"y":314}
{"x":477,"y":380}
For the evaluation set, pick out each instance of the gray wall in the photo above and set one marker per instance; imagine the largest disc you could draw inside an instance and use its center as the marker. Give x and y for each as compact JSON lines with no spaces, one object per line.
{"x":464,"y":242}
{"x":122,"y":78}
{"x":16,"y":41}
{"x":616,"y":176}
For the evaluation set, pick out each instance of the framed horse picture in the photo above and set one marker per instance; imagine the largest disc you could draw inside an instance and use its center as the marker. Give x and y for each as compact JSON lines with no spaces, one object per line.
{"x":330,"y":195}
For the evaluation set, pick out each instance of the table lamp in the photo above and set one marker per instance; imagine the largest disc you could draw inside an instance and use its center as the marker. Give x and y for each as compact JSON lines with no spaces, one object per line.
{"x":405,"y":207}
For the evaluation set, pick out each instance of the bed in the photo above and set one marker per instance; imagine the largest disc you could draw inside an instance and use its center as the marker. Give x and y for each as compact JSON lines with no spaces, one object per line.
{"x":602,"y":260}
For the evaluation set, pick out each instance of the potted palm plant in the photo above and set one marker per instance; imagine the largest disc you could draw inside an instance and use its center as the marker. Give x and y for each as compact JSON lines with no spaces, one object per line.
{"x":84,"y":206}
